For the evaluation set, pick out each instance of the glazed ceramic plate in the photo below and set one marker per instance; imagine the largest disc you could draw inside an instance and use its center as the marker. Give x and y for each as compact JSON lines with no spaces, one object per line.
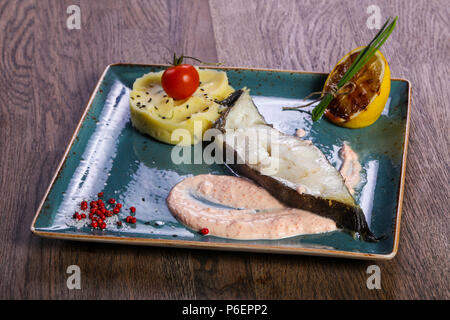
{"x":107,"y":155}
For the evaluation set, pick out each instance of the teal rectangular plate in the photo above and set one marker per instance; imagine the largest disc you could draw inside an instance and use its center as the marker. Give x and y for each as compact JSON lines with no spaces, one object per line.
{"x":106,"y":154}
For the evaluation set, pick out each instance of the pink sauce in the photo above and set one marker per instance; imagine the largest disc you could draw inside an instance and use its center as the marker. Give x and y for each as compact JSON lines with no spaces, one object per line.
{"x":300,"y":133}
{"x":239,"y":209}
{"x":351,"y":168}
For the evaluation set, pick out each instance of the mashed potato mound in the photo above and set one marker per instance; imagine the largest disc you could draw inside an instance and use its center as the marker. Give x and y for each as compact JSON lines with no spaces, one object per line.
{"x":157,"y":115}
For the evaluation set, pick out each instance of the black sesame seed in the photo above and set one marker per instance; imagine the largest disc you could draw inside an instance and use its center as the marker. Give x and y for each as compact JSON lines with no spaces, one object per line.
{"x":149,"y":100}
{"x":167,"y":101}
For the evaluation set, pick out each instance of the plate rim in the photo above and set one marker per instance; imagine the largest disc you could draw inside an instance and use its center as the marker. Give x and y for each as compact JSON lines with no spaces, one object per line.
{"x":226,"y":246}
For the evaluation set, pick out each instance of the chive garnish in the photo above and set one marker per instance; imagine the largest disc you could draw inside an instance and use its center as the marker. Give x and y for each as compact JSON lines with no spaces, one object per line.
{"x":363,"y":57}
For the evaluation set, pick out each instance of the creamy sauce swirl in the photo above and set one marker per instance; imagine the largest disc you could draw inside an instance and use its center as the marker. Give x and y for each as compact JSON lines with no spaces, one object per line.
{"x":237,"y":208}
{"x":351,"y":168}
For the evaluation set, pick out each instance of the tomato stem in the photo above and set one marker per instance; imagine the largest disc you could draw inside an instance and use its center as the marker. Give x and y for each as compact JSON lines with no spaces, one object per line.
{"x":179,"y":60}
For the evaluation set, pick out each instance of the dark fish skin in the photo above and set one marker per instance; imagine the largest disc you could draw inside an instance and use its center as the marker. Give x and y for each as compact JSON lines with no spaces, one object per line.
{"x":347,"y":217}
{"x":227,"y":102}
{"x":231,"y":99}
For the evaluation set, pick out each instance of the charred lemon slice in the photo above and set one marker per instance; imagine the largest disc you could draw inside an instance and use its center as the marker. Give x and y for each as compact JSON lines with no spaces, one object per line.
{"x":361,"y":101}
{"x":159,"y":116}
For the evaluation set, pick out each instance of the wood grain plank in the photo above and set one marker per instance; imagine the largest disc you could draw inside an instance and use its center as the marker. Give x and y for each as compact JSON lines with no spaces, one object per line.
{"x":16,"y":140}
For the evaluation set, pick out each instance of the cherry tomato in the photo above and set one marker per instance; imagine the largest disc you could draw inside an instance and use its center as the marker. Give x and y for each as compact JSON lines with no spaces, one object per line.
{"x":180,"y":81}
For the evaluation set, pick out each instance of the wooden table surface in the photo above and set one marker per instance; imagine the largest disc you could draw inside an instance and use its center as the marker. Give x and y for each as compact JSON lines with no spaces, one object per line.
{"x":48,"y":73}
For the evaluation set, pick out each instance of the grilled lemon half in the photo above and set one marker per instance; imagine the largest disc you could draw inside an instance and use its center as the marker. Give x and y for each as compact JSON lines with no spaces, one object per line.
{"x":159,"y":116}
{"x":365,"y":96}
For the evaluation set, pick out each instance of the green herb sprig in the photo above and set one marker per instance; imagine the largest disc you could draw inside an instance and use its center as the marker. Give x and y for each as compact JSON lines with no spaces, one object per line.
{"x":363,"y":57}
